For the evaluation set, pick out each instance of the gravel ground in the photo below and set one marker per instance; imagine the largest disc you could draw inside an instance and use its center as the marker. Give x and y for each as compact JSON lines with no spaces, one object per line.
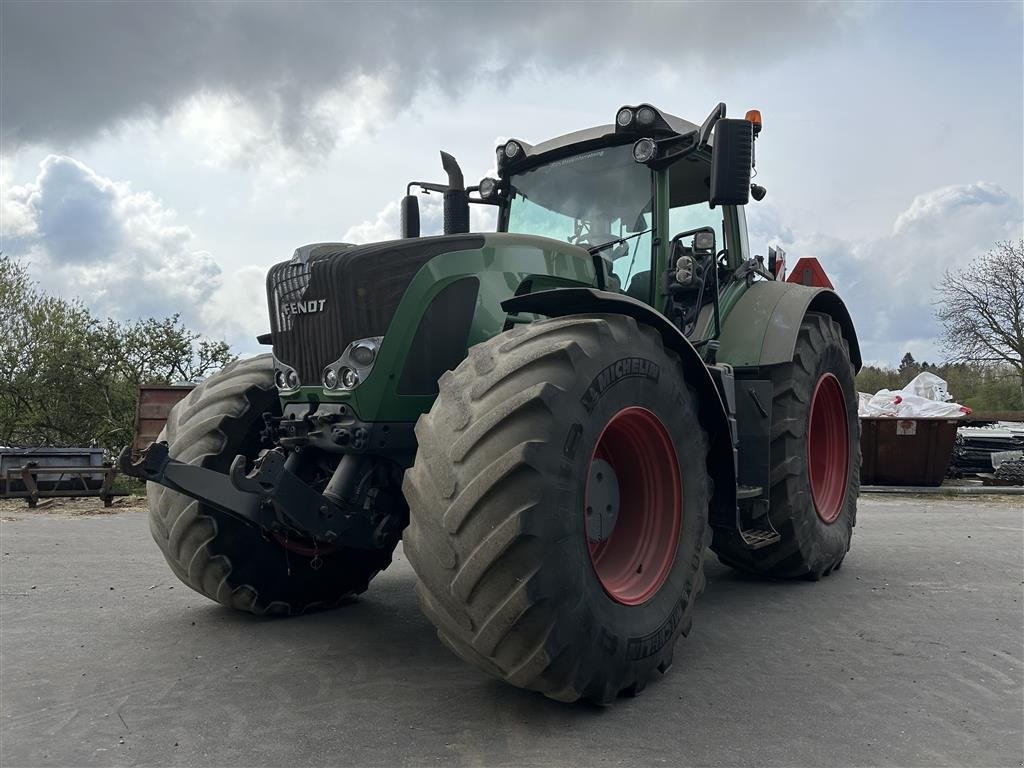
{"x":12,"y":510}
{"x":911,"y":655}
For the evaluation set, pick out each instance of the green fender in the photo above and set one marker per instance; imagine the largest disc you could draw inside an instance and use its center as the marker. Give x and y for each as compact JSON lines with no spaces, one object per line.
{"x":762,"y":327}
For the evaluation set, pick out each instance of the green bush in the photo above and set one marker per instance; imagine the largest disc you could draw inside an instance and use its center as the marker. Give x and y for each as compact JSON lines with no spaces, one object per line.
{"x":68,"y":378}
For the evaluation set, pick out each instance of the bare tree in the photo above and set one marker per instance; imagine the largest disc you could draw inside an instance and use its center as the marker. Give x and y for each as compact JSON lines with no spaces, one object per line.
{"x":981,"y":309}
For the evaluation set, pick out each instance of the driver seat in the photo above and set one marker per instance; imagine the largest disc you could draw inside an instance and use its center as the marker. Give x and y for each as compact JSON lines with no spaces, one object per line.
{"x":640,"y":286}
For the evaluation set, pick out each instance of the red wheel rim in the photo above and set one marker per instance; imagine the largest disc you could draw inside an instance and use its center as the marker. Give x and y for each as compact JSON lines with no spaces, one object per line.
{"x":633,"y":561}
{"x":828,"y":448}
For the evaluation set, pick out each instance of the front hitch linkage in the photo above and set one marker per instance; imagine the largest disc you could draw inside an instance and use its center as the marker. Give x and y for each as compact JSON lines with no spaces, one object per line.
{"x":261,"y":497}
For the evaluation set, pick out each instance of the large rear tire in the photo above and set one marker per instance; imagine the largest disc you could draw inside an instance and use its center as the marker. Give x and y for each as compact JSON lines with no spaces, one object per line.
{"x":537,"y":428}
{"x":217,"y":555}
{"x":815,"y":460}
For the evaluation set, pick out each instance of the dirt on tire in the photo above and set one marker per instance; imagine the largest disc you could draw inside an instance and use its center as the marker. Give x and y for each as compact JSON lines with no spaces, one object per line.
{"x":809,"y":547}
{"x":216,"y":554}
{"x":497,"y":533}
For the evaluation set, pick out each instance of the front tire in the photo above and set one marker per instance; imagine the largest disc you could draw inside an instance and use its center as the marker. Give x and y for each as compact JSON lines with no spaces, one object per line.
{"x":216,"y":554}
{"x":514,"y":574}
{"x":815,"y":460}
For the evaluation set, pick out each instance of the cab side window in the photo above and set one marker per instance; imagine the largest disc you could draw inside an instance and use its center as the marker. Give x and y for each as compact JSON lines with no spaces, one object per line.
{"x":688,"y":182}
{"x":633,"y":257}
{"x":687,"y":217}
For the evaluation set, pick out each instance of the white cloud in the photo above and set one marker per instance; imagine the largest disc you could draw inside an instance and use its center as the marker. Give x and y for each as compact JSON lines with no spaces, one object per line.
{"x":888,"y":282}
{"x":950,"y":204}
{"x":387,"y":223}
{"x":16,"y":220}
{"x":237,"y":310}
{"x":385,"y":226}
{"x":227,"y":127}
{"x":121,"y":251}
{"x":282,"y":59}
{"x":233,"y":132}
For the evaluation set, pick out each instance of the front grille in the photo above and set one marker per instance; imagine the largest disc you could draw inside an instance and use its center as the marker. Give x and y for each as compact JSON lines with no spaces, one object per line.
{"x":307,"y":342}
{"x":289,"y":281}
{"x":360,"y":288}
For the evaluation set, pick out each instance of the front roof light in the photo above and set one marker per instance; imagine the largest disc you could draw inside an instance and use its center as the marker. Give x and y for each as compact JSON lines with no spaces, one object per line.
{"x":624,"y":117}
{"x":644,"y":150}
{"x":513,"y":149}
{"x":646,"y":116}
{"x":704,"y":241}
{"x":488,"y":188}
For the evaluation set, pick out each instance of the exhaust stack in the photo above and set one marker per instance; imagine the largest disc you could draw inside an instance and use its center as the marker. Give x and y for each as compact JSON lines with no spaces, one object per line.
{"x":456,"y":199}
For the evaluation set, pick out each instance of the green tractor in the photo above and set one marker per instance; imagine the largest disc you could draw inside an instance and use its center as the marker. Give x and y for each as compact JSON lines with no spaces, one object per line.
{"x":557,"y":418}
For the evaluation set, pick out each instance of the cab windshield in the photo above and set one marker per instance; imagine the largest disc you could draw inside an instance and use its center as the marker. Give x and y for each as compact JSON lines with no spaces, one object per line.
{"x":590,"y":199}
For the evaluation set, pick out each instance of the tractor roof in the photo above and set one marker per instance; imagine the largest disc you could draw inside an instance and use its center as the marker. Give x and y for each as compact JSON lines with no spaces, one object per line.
{"x":598,"y":132}
{"x":591,"y":138}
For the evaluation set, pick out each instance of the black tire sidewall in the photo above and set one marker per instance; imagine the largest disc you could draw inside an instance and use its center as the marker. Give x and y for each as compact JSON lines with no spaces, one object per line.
{"x":825,"y":544}
{"x":284,"y":581}
{"x":627,"y":635}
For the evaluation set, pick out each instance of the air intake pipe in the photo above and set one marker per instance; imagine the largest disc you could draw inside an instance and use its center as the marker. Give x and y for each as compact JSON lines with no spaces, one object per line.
{"x":410,"y":216}
{"x":456,"y":199}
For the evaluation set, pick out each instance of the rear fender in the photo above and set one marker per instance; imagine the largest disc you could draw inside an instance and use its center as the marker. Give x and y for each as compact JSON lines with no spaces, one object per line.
{"x":713,"y":414}
{"x":762,"y":328}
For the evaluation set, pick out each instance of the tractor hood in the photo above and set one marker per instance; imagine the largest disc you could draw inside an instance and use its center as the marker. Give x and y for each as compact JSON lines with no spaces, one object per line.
{"x":331,"y":294}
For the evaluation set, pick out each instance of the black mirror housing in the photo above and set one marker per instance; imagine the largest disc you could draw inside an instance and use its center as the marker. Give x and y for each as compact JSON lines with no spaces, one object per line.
{"x":410,"y":216}
{"x":731,"y":160}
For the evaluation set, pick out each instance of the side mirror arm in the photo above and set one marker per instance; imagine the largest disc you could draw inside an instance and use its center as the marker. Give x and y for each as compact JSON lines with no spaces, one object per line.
{"x":704,"y":132}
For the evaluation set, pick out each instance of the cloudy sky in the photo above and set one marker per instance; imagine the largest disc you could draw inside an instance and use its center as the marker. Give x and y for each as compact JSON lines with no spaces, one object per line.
{"x":157,"y":158}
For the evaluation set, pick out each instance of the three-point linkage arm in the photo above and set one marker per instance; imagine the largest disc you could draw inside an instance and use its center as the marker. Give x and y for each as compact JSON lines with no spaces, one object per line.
{"x":214,"y":488}
{"x":270,"y":496}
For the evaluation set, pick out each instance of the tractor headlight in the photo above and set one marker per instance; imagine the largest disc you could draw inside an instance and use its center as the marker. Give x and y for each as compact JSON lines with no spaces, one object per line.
{"x":646,"y":116}
{"x":349,"y":378}
{"x":513,"y":149}
{"x":354,"y":365}
{"x":488,"y":188}
{"x":285,"y":377}
{"x":684,"y":270}
{"x":624,"y":117}
{"x":644,"y":150}
{"x":364,"y":352}
{"x":704,"y":241}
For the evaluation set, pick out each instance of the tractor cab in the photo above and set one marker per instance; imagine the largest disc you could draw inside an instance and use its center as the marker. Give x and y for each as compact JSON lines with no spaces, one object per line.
{"x":648,"y":196}
{"x":639,"y":194}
